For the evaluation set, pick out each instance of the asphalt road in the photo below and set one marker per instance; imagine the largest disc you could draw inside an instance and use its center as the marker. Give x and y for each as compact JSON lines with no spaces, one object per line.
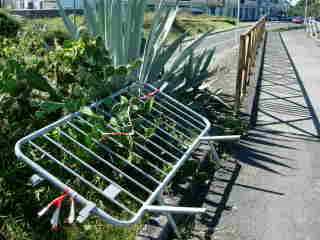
{"x":222,"y":41}
{"x":230,"y":39}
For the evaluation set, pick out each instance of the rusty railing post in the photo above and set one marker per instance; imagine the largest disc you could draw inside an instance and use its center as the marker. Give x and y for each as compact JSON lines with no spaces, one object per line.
{"x":239,"y":80}
{"x":248,"y":47}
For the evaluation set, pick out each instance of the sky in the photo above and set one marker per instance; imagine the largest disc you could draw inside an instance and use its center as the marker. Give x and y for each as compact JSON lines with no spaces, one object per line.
{"x":293,"y":2}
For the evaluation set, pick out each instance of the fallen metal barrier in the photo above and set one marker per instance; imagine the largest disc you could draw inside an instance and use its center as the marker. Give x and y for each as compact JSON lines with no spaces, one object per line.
{"x":72,"y":155}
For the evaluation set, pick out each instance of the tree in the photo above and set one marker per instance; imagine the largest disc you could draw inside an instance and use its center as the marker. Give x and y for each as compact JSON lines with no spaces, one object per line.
{"x":298,"y":9}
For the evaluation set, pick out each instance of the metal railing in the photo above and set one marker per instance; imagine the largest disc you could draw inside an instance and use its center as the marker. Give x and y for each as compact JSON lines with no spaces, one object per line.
{"x":313,"y":28}
{"x":249,"y":42}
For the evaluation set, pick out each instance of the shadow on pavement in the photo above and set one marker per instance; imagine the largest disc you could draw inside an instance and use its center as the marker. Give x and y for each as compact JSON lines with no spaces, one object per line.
{"x":283,"y":116}
{"x":283,"y":103}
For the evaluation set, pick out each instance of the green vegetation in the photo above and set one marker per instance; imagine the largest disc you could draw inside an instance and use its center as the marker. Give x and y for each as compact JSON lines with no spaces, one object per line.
{"x":121,"y":31}
{"x":44,"y":74}
{"x":299,"y":8}
{"x":194,"y":72}
{"x":202,"y":23}
{"x":193,"y":25}
{"x":184,"y":23}
{"x":38,"y":85}
{"x":9,"y":26}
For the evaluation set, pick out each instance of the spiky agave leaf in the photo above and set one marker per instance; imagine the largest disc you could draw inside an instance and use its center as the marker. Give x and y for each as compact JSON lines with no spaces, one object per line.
{"x":181,"y":58}
{"x":210,"y":55}
{"x":192,"y":73}
{"x":121,"y":28}
{"x":188,"y":68}
{"x":161,"y":27}
{"x":91,"y":21}
{"x":71,"y":27}
{"x":163,"y":57}
{"x":134,"y":31}
{"x":199,"y":62}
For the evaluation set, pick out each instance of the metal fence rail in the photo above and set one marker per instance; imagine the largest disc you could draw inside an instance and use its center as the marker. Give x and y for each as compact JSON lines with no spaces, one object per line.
{"x":73,"y":155}
{"x":249,"y":43}
{"x":313,"y":28}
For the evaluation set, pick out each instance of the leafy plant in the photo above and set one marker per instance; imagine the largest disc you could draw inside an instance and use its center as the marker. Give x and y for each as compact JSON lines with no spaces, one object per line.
{"x":20,"y":73}
{"x":196,"y":70}
{"x":193,"y":72}
{"x":121,"y":28}
{"x":118,"y":25}
{"x":59,"y":79}
{"x":125,"y":122}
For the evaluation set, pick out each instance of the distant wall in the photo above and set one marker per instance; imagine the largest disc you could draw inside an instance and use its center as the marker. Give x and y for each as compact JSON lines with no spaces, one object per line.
{"x":44,"y":13}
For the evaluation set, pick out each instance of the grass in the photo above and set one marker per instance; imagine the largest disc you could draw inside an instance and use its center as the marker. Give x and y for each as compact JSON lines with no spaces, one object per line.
{"x":201,"y":24}
{"x":184,"y":22}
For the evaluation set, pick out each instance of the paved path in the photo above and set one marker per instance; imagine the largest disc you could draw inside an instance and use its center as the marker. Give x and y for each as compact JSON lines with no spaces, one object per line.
{"x":276,"y":193}
{"x":226,"y":58}
{"x":305,"y":53}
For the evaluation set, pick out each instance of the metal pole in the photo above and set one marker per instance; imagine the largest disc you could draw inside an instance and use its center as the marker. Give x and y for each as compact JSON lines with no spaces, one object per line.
{"x":305,"y":11}
{"x":74,"y":13}
{"x":238,"y":21}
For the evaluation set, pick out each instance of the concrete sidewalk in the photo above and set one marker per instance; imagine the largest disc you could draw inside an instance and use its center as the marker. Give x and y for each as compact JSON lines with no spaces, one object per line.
{"x":276,"y":193}
{"x":305,"y":53}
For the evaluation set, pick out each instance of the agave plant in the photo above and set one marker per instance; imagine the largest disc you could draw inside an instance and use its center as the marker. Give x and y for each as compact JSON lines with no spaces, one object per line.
{"x":120,"y":25}
{"x":193,"y":72}
{"x":196,"y":69}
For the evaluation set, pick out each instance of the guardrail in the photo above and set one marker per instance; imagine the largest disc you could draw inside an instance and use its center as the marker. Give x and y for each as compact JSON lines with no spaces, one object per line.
{"x":313,"y":28}
{"x":249,"y":42}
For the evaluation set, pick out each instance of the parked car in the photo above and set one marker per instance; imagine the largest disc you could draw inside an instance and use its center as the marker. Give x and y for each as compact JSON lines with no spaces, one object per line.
{"x":298,"y":20}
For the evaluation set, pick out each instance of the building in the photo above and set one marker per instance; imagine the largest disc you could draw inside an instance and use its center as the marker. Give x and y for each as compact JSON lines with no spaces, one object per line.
{"x":252,"y":10}
{"x":42,"y":4}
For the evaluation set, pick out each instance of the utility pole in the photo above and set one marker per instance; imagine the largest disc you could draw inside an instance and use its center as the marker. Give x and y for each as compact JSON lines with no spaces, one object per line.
{"x":238,"y":12}
{"x":305,"y":11}
{"x":238,"y":21}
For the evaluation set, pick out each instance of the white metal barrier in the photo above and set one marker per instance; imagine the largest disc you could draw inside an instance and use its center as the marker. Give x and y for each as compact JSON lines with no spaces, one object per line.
{"x":313,"y":28}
